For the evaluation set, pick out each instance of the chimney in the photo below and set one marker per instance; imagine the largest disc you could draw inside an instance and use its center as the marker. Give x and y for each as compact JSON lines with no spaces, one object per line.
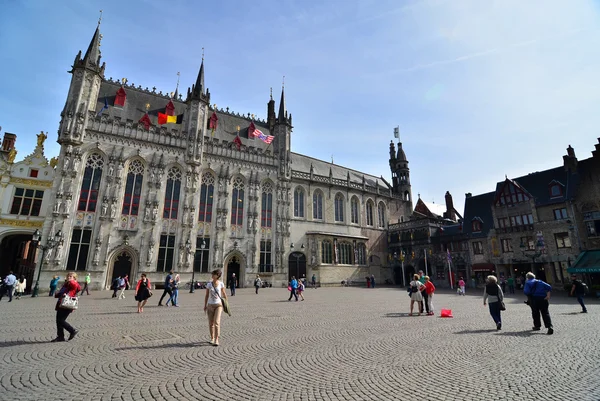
{"x":8,"y":143}
{"x":468,"y":195}
{"x":570,"y":160}
{"x":449,"y":207}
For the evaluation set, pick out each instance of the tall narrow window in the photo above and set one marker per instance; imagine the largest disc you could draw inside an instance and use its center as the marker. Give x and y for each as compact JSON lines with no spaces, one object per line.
{"x":88,"y":196}
{"x":345,"y":255}
{"x":339,"y":208}
{"x":201,"y":255}
{"x":265,"y":257}
{"x":381,"y":214}
{"x":172,"y":194}
{"x":207,"y":190}
{"x":133,"y":188}
{"x":326,"y":252}
{"x":237,"y":202}
{"x":354,"y":210}
{"x":166,"y":250}
{"x":361,"y":254}
{"x":299,"y":202}
{"x":318,"y":205}
{"x":369,"y":213}
{"x":27,"y":202}
{"x":78,"y":251}
{"x":266,"y":208}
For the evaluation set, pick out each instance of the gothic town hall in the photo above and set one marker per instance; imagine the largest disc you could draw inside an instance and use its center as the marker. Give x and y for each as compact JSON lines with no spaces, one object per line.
{"x":152,"y":182}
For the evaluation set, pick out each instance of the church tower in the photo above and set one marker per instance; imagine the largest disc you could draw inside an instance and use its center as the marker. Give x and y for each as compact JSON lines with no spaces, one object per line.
{"x":400,"y":173}
{"x":283,"y":134}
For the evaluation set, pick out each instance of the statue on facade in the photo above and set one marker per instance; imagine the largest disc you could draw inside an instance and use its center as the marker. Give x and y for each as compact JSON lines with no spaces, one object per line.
{"x":41,"y":137}
{"x":147,"y":213}
{"x":59,"y":249}
{"x":111,"y":170}
{"x":113,"y":209}
{"x":96,"y":259}
{"x":68,"y":204}
{"x":155,"y":212}
{"x":104,"y":207}
{"x":66,"y":162}
{"x":150,"y":253}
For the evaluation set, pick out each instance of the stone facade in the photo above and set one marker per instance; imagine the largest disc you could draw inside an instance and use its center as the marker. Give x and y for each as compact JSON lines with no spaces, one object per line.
{"x":132,"y":195}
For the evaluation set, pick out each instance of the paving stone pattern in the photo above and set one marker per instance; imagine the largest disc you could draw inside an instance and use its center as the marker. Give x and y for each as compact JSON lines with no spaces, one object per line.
{"x":339,"y":344}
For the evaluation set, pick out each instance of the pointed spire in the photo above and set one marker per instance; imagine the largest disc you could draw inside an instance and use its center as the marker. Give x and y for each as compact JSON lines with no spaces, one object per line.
{"x":282,"y":116}
{"x":93,"y":55}
{"x":198,"y":91}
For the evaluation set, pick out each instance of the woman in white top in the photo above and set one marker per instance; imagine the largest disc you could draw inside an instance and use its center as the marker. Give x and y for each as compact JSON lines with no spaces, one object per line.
{"x":20,"y":287}
{"x":215,"y":290}
{"x":415,"y":296}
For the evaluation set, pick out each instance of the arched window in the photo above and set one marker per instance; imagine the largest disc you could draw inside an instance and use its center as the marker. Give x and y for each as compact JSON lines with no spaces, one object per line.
{"x":361,"y":254}
{"x":354,"y":210}
{"x":207,"y":190}
{"x":88,"y":197}
{"x":345,"y":253}
{"x":172,"y":194}
{"x":326,"y":252}
{"x":381,"y":214}
{"x":318,"y":205}
{"x":237,"y":202}
{"x":406,"y":196}
{"x":266,"y":209}
{"x":369,"y":213}
{"x":299,"y":202}
{"x":339,"y":208}
{"x":133,"y":188}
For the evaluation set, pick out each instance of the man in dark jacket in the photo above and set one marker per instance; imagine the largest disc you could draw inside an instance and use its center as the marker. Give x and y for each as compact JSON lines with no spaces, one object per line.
{"x":578,"y":290}
{"x":538,"y":295}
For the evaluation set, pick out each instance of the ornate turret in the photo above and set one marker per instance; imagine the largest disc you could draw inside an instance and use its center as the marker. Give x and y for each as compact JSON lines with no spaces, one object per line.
{"x":91,"y":59}
{"x":198,"y":90}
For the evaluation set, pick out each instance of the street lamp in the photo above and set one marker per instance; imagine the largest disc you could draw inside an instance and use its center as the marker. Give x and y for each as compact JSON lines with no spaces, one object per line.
{"x":297,"y":256}
{"x":402,"y":264}
{"x":50,"y":244}
{"x":188,"y":245}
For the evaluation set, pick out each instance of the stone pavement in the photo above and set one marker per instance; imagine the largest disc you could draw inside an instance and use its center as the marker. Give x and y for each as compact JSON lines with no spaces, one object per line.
{"x":339,"y":344}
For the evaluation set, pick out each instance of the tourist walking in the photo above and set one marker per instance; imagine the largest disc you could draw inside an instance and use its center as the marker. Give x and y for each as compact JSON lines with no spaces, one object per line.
{"x":429,"y":290}
{"x":301,"y":288}
{"x":142,"y":292}
{"x":461,"y":286}
{"x":20,"y":287}
{"x":213,"y":306}
{"x":167,"y":290}
{"x":424,"y":303}
{"x":8,"y":286}
{"x":53,"y":285}
{"x":233,"y":284}
{"x":175,"y":289}
{"x":115,"y":286}
{"x":415,"y":294}
{"x":494,"y":296}
{"x":511,"y":285}
{"x":503,"y":284}
{"x":123,"y":284}
{"x":372,"y":281}
{"x":257,"y":283}
{"x":86,"y":283}
{"x":578,"y":290}
{"x":314,"y":281}
{"x":293,"y":288}
{"x":538,"y":294}
{"x":69,"y":289}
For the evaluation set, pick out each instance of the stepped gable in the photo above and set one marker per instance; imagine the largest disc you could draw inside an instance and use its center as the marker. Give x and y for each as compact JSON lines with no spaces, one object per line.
{"x":304,"y":164}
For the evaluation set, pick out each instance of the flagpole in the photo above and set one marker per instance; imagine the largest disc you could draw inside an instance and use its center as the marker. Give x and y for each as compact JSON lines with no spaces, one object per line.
{"x":450,"y":274}
{"x":426,"y":271}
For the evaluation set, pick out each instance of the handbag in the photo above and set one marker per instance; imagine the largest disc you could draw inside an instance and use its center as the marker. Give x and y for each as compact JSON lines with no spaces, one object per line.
{"x":224,"y":302}
{"x":68,"y":302}
{"x":501,"y":301}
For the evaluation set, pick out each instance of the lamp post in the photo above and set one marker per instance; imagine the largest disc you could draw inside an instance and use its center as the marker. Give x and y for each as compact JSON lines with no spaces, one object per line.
{"x":50,"y":244}
{"x":530,"y":253}
{"x":189,"y":247}
{"x":402,"y":264}
{"x":297,"y":256}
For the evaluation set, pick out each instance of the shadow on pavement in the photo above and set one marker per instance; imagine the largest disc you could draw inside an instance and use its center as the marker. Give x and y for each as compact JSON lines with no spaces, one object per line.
{"x":162,"y":346}
{"x":404,"y":314}
{"x":481,"y":331}
{"x":20,"y":342}
{"x":525,"y":333}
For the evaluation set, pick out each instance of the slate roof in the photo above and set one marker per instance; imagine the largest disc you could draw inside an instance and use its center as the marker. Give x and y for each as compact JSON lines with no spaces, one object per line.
{"x":302,"y":163}
{"x":479,"y":206}
{"x":435,"y":208}
{"x":538,"y":185}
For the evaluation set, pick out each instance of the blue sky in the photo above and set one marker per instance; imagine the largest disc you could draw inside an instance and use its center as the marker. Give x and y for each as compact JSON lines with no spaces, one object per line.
{"x":479,"y":89}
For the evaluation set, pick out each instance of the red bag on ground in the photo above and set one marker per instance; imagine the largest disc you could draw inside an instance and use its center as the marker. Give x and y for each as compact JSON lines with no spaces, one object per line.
{"x":446,"y":313}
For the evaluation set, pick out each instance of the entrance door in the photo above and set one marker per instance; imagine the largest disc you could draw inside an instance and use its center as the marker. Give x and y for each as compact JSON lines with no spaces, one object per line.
{"x":296,"y":265}
{"x":233,"y":267}
{"x":17,"y":253}
{"x":122,"y":266}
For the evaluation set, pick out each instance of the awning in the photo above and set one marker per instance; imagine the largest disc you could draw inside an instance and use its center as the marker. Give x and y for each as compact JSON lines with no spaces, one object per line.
{"x":483,"y":267}
{"x":587,"y":262}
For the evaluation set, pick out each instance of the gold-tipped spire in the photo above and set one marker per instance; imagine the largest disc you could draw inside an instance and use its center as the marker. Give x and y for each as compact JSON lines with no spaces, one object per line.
{"x":147,"y":107}
{"x":100,"y":19}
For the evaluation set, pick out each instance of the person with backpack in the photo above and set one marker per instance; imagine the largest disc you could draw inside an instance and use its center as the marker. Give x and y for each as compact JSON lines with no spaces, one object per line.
{"x":257,"y":283}
{"x":579,"y":290}
{"x":115,"y":286}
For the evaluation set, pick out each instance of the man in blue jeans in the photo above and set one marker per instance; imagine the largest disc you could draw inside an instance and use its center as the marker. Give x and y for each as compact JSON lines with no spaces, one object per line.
{"x":578,"y":290}
{"x":294,"y":285}
{"x":168,"y":290}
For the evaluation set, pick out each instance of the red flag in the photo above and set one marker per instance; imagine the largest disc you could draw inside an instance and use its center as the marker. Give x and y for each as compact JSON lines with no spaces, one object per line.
{"x":170,"y":109}
{"x":251,"y":130}
{"x":214,"y":121}
{"x":146,"y":121}
{"x":238,"y":142}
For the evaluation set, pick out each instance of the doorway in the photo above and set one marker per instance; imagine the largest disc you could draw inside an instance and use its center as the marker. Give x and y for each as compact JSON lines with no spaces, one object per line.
{"x":234,"y":267}
{"x":296,"y":265}
{"x":122,"y":266}
{"x":18,"y":254}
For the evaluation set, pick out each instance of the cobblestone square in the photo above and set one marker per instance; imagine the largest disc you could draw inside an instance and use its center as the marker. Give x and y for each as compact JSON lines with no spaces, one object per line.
{"x":339,"y":344}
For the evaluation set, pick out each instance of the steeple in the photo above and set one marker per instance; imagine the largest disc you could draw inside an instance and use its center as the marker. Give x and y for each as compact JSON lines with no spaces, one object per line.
{"x":199,"y":92}
{"x":282,"y":116}
{"x":91,"y":59}
{"x":271,"y":117}
{"x":401,"y":156}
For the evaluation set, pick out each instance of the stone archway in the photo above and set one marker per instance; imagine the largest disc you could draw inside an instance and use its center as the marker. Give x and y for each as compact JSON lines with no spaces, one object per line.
{"x":123,"y":260}
{"x":18,"y":254}
{"x":234,"y":263}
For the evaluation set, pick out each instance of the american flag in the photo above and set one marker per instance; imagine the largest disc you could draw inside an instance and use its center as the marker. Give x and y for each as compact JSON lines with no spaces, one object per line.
{"x":448,"y":256}
{"x":265,"y":138}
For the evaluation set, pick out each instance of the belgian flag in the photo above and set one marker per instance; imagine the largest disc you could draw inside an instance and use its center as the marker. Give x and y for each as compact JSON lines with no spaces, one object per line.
{"x":166,"y":119}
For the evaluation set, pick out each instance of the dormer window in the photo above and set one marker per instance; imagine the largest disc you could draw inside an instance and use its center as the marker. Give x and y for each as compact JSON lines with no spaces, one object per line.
{"x":556,"y":189}
{"x":511,"y":194}
{"x":476,"y":225}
